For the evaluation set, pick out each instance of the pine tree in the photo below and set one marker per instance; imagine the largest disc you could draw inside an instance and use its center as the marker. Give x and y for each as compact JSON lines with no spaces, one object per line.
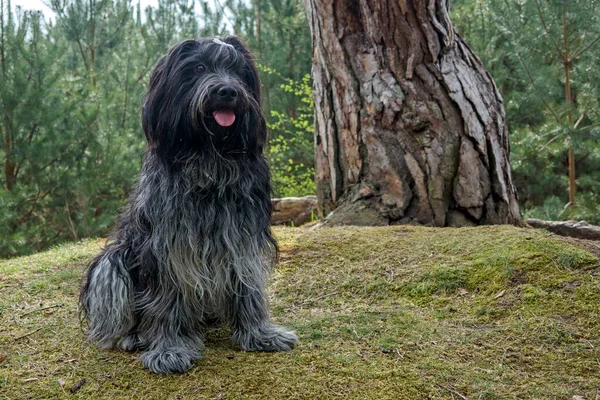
{"x":36,"y":145}
{"x":544,"y":56}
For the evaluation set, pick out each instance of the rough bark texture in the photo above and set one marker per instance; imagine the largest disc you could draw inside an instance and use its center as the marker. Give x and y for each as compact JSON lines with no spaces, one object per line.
{"x":409,"y":127}
{"x":293,"y":210}
{"x":577,"y":229}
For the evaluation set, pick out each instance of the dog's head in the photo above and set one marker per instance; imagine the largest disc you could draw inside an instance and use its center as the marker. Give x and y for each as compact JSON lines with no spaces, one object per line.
{"x":204,"y":95}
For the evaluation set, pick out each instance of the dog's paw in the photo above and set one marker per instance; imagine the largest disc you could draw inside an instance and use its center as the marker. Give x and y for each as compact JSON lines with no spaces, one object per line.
{"x":169,"y":361}
{"x":105,"y":344}
{"x":131,"y":342}
{"x":266,"y":338}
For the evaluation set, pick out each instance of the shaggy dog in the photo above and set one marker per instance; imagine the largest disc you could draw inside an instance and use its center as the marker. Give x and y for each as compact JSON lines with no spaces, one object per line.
{"x":194,"y":244}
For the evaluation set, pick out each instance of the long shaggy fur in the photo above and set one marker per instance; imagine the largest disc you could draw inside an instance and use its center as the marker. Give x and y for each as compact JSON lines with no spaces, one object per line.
{"x":194,"y":243}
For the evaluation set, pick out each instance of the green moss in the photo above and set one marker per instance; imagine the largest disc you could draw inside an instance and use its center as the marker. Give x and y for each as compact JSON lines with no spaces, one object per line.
{"x":383,"y":313}
{"x":441,"y":280}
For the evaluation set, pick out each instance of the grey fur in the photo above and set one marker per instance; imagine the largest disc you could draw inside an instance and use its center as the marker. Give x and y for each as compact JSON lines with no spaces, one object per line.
{"x":217,"y":41}
{"x":194,"y":244}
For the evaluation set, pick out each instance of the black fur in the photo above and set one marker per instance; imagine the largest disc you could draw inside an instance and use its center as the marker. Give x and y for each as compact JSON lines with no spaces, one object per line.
{"x":194,"y":243}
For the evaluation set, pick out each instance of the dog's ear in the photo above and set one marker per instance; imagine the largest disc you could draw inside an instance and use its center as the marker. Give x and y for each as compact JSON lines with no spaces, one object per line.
{"x":252,"y":78}
{"x":149,"y":114}
{"x":154,"y":101}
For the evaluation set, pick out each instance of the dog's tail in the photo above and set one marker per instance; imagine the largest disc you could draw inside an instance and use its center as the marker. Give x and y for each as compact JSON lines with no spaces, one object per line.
{"x":106,"y":299}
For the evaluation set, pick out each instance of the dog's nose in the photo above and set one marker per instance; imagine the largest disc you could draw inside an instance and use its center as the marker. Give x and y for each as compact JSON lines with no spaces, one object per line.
{"x":227,"y":93}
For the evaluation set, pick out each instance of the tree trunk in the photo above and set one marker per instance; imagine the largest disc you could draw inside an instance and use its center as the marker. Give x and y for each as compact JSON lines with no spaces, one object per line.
{"x":10,"y":171}
{"x":409,"y":127}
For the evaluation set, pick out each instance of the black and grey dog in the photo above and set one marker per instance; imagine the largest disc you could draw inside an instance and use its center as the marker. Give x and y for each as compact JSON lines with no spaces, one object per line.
{"x":194,"y":244}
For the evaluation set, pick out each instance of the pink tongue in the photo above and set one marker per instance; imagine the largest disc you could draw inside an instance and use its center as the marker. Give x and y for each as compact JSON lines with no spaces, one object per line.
{"x":224,"y":117}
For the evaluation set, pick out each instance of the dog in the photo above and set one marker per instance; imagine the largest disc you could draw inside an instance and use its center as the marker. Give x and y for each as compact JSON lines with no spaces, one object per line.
{"x":194,"y":243}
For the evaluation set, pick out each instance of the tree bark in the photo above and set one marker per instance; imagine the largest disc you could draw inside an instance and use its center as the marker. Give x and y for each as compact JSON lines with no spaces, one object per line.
{"x":409,"y":127}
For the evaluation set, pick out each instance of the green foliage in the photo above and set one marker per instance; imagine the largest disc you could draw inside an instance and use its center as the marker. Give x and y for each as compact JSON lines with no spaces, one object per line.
{"x":524,"y":45}
{"x":291,"y":148}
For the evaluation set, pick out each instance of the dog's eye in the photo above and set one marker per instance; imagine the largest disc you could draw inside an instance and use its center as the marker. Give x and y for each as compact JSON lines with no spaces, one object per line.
{"x":200,"y":68}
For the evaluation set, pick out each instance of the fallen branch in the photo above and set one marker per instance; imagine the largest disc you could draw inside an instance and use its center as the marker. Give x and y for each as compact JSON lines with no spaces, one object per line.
{"x":293,"y":211}
{"x":576,"y":229}
{"x":27,"y":334}
{"x":41,"y":309}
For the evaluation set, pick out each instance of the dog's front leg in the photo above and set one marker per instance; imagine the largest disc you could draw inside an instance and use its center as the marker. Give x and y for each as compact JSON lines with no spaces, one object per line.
{"x":252,"y":329}
{"x":174,"y":338}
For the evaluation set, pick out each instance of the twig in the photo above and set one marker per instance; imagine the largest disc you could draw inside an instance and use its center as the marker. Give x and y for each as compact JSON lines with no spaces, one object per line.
{"x":78,"y":385}
{"x":27,"y":334}
{"x":578,"y":53}
{"x":452,"y":390}
{"x":41,"y":309}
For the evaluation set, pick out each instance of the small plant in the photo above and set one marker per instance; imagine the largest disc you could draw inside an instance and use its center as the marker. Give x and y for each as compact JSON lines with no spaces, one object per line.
{"x":291,"y":152}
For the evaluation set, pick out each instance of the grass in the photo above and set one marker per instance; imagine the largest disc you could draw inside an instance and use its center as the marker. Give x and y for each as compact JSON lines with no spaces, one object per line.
{"x":382,"y":313}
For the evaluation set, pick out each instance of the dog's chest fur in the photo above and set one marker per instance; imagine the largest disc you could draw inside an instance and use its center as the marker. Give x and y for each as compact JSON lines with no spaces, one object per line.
{"x":207,"y":231}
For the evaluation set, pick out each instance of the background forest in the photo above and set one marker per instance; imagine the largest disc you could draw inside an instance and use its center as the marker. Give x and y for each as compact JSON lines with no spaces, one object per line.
{"x":71,"y":90}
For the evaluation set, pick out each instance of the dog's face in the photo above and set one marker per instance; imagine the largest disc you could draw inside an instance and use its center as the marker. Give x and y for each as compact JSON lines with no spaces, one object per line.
{"x":204,"y":95}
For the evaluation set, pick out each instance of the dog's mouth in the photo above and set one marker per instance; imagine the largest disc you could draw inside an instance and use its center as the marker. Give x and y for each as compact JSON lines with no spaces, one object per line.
{"x":224,"y":118}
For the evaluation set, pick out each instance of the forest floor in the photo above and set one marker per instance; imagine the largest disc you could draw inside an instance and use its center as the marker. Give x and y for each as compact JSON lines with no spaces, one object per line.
{"x":382,"y":313}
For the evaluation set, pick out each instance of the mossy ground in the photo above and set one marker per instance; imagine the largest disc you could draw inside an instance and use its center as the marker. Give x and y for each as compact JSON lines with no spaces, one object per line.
{"x":382,"y":313}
